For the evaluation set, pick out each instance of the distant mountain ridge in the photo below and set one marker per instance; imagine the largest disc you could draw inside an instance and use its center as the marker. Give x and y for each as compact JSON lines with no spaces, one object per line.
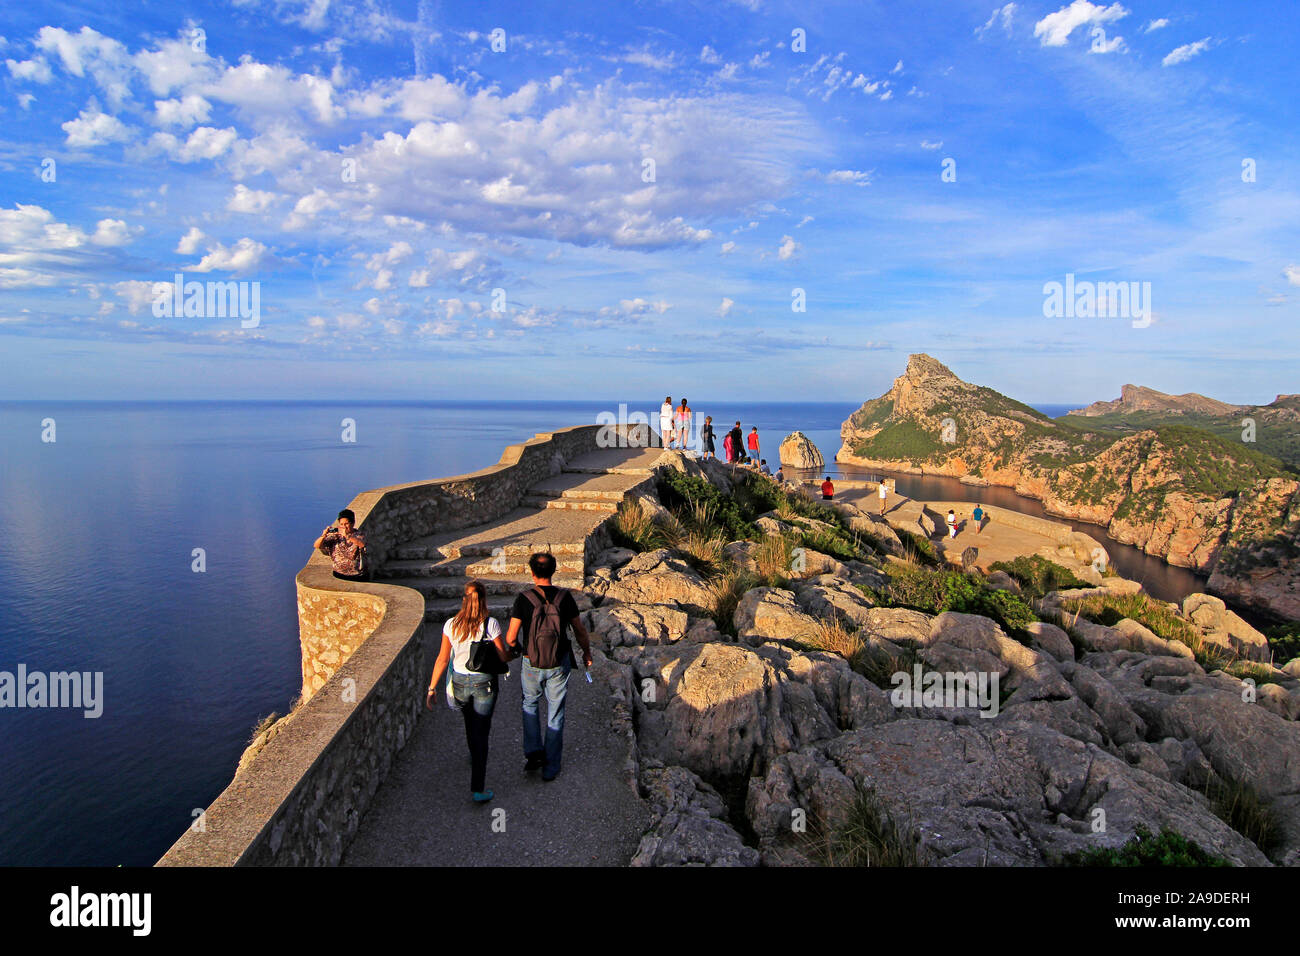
{"x":1189,"y":494}
{"x":1138,"y":398}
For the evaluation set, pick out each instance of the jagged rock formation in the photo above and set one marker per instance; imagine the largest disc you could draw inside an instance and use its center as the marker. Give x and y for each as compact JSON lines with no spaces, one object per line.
{"x":1180,"y":493}
{"x":798,"y":451}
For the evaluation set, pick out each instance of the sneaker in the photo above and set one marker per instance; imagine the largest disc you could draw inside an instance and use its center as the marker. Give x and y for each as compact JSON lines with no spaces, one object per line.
{"x":534,"y":761}
{"x":483,"y":797}
{"x":548,"y":776}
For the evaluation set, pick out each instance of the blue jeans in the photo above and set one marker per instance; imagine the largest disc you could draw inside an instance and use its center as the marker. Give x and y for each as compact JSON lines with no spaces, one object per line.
{"x":476,"y":695}
{"x":553,"y":682}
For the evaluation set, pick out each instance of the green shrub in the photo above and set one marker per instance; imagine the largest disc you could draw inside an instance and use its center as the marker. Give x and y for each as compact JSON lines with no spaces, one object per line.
{"x":935,"y":591}
{"x":1284,"y":639}
{"x":1038,"y":575}
{"x":1167,"y":848}
{"x":680,"y":492}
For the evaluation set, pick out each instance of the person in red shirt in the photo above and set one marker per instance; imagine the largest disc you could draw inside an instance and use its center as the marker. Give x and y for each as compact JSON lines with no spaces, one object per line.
{"x":828,"y":490}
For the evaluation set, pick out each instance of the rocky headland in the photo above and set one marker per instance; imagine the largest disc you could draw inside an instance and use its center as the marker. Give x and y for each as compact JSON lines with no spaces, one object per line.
{"x":1177,"y":490}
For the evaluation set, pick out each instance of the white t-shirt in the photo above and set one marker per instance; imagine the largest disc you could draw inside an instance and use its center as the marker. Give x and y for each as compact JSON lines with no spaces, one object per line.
{"x":883,"y":490}
{"x":952,"y":518}
{"x":665,"y":416}
{"x":460,"y":649}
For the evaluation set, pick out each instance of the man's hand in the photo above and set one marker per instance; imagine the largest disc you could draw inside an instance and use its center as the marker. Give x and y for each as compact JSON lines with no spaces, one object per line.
{"x":430,"y":697}
{"x":586,"y":659}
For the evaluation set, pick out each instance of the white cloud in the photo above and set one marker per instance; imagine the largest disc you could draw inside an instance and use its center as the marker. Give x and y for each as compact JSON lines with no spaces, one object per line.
{"x":1292,"y":274}
{"x":308,"y":208}
{"x":136,"y":293}
{"x":251,"y":201}
{"x":1055,"y":28}
{"x":725,"y":308}
{"x":710,"y":56}
{"x":1003,"y":13}
{"x":241,"y":258}
{"x":927,"y":144}
{"x":189,"y":243}
{"x":856,"y":177}
{"x":1185,"y":52}
{"x":1156,"y":25}
{"x":94,"y":128}
{"x":111,"y":232}
{"x":788,"y":249}
{"x":728,"y":248}
{"x":205,"y":142}
{"x":37,"y":69}
{"x":183,"y":112}
{"x":898,"y":67}
{"x":91,"y":52}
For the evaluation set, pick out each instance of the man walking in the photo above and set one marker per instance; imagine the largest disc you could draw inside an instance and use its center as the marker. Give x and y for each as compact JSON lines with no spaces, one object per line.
{"x":539,"y":624}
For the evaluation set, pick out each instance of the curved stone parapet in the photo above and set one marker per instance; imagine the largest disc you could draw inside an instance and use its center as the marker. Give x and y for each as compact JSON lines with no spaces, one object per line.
{"x":298,"y":799}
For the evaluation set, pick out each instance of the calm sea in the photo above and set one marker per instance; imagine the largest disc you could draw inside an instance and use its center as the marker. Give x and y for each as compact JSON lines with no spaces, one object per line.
{"x":100,"y":529}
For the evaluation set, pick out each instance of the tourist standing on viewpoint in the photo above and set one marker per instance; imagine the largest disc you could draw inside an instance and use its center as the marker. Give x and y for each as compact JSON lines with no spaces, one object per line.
{"x":737,"y":443}
{"x":753,"y":443}
{"x":666,"y":422}
{"x":706,"y":436}
{"x":952,"y":523}
{"x":883,"y":493}
{"x":539,"y":624}
{"x":978,"y":516}
{"x":828,"y":489}
{"x":763,"y":469}
{"x":683,"y":424}
{"x":475,"y":692}
{"x":780,"y":474}
{"x":343,"y":546}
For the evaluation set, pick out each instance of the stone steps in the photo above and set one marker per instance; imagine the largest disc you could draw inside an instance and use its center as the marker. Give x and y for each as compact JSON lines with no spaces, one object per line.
{"x":571,"y":504}
{"x":453,"y":588}
{"x":474,"y":567}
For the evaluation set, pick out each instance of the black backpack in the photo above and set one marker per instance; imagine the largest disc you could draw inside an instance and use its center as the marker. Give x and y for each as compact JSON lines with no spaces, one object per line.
{"x":545,"y":645}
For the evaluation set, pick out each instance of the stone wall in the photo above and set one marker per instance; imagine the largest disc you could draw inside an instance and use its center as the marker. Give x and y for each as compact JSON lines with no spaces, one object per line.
{"x":298,"y":801}
{"x":299,"y":798}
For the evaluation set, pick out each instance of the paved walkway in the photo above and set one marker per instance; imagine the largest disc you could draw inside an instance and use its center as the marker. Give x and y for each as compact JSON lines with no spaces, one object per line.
{"x":589,"y":816}
{"x":997,"y":542}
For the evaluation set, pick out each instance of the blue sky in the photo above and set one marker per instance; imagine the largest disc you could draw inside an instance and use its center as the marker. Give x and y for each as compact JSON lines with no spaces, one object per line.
{"x":1103,"y":140}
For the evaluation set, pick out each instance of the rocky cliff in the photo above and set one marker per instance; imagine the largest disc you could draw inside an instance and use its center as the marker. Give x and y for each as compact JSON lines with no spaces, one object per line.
{"x":1181,"y":493}
{"x":768,"y":728}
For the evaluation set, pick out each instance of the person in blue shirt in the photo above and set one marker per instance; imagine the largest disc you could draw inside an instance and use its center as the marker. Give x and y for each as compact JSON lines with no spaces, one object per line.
{"x":978,"y":515}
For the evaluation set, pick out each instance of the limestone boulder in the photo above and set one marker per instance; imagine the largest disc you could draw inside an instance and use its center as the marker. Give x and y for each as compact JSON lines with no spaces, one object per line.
{"x":659,"y":577}
{"x":830,"y":598}
{"x":1015,"y":793}
{"x":773,"y":614}
{"x":688,"y":824}
{"x":631,"y":625}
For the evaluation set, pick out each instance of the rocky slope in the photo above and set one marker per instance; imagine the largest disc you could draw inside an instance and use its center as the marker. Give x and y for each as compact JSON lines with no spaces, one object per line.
{"x":1273,"y":429}
{"x":752,"y":748}
{"x":1180,"y":493}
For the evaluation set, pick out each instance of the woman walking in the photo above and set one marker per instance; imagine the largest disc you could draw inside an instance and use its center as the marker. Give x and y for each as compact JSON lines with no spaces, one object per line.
{"x":706,"y":436}
{"x":474,"y":691}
